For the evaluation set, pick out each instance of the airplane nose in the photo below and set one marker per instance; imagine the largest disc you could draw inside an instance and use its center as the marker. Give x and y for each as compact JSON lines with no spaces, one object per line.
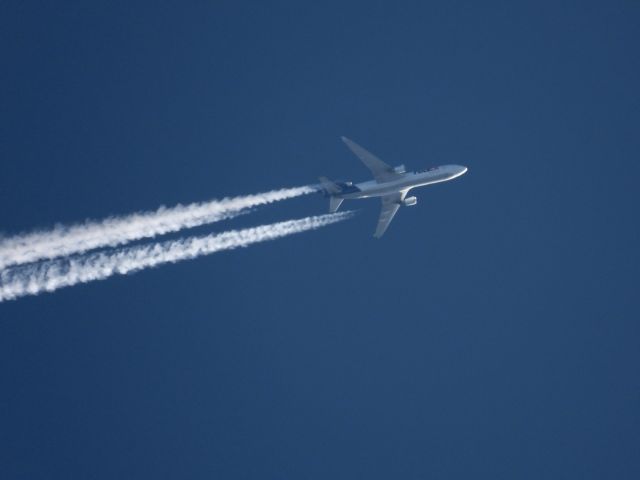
{"x":457,"y":170}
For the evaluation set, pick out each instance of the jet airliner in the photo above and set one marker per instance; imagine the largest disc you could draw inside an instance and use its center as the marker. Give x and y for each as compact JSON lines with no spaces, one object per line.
{"x":391,"y":184}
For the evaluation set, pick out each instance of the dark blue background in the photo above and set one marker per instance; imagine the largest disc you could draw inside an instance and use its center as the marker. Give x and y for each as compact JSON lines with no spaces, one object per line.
{"x":492,"y":333}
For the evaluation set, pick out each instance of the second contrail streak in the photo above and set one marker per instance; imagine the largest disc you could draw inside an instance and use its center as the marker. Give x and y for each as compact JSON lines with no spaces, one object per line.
{"x":113,"y":231}
{"x":52,"y":275}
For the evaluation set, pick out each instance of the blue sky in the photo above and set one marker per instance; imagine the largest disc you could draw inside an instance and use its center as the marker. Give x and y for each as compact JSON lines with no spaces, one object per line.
{"x":492,"y":332}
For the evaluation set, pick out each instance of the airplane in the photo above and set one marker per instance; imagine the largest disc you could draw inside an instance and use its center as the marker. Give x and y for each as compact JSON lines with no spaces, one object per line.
{"x":391,"y":184}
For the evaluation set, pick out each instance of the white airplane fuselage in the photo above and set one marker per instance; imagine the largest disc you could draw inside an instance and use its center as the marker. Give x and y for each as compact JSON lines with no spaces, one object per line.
{"x":404,"y":184}
{"x":390,"y":184}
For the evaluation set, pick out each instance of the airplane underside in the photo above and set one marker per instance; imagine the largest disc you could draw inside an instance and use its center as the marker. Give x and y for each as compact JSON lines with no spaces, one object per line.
{"x":390,"y":184}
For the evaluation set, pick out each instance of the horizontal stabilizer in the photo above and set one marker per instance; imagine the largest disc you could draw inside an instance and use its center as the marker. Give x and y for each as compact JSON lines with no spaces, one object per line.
{"x":334,"y":204}
{"x":329,"y":186}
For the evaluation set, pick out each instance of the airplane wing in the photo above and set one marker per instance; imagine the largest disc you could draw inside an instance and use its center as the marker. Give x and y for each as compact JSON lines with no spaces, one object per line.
{"x":390,"y":205}
{"x":381,"y":171}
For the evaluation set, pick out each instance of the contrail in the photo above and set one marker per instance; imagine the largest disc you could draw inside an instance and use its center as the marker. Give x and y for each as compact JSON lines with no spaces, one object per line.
{"x":52,"y":275}
{"x":113,"y":231}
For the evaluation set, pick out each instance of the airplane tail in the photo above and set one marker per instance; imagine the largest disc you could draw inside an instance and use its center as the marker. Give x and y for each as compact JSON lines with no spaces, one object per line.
{"x":334,"y":204}
{"x":331,"y":189}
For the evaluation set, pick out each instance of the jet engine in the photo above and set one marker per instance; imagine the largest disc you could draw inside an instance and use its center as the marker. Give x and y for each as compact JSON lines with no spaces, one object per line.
{"x":409,"y":201}
{"x":399,"y":169}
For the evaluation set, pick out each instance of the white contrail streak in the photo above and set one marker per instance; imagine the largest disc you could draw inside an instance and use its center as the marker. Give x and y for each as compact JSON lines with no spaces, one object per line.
{"x":113,"y":231}
{"x":52,"y":275}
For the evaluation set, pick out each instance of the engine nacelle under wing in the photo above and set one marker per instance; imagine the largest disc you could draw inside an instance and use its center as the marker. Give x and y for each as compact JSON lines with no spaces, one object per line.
{"x":400,"y":169}
{"x":409,"y":201}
